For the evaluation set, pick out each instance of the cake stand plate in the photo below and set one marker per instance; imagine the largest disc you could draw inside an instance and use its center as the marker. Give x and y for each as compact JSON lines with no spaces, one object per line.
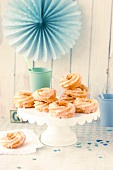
{"x":59,"y":131}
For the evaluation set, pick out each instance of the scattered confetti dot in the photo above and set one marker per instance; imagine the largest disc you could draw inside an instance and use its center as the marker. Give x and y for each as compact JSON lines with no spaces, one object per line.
{"x":78,"y":143}
{"x":105,"y":144}
{"x":107,"y":141}
{"x":34,"y":159}
{"x":79,"y":146}
{"x":18,"y":167}
{"x":109,"y":130}
{"x":89,"y":149}
{"x":55,"y":150}
{"x":96,"y":144}
{"x":100,"y":156}
{"x":98,"y":140}
{"x":89,"y":143}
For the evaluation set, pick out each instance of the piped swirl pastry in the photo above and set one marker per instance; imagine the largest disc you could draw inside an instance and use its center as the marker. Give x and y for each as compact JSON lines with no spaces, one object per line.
{"x":62,"y":109}
{"x":86,"y":105}
{"x":24,"y":100}
{"x":71,"y":81}
{"x":13,"y":139}
{"x":79,"y":92}
{"x":41,"y":106}
{"x":45,"y":95}
{"x":67,"y":98}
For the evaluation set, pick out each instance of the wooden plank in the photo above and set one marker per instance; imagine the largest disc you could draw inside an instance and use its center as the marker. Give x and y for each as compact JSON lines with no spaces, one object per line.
{"x":81,"y":51}
{"x":42,"y":63}
{"x":21,"y":72}
{"x":6,"y":72}
{"x":110,"y":80}
{"x":1,"y":30}
{"x":60,"y":68}
{"x":99,"y":45}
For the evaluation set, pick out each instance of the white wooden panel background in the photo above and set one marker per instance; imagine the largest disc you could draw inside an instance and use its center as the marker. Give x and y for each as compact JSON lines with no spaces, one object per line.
{"x":92,"y":56}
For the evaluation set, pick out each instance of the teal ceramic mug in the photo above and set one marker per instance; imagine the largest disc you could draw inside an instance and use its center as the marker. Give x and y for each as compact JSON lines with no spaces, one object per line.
{"x":39,"y":78}
{"x":106,"y":110}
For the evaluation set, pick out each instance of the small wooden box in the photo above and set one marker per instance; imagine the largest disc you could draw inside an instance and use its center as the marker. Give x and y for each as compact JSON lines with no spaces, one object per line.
{"x":14,"y":117}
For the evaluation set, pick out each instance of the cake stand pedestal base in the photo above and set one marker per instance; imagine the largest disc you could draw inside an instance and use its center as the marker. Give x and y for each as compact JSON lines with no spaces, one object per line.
{"x":59,"y":131}
{"x":58,"y":136}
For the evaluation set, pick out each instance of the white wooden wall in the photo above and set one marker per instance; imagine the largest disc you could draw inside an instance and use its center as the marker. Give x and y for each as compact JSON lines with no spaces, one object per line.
{"x":92,"y":56}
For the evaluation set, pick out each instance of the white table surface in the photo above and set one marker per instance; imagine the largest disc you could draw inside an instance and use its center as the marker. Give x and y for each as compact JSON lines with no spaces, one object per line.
{"x":93,"y":150}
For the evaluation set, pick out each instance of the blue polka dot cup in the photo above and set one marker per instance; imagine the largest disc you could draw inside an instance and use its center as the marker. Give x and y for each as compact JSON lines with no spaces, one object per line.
{"x":106,"y":110}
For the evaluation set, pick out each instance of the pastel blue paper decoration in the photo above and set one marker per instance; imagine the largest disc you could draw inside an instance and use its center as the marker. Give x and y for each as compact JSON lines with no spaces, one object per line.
{"x":42,"y":29}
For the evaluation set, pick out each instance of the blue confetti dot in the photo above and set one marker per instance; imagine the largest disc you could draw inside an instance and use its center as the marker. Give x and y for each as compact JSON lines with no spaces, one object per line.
{"x":55,"y":150}
{"x":98,"y":140}
{"x":100,"y":156}
{"x":78,"y":146}
{"x":105,"y":144}
{"x":96,"y":144}
{"x":89,"y":149}
{"x":109,"y":130}
{"x":107,"y":141}
{"x":89,"y":143}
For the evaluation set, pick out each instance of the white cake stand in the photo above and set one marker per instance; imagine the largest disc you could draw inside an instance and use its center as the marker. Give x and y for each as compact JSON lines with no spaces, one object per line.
{"x":59,"y":131}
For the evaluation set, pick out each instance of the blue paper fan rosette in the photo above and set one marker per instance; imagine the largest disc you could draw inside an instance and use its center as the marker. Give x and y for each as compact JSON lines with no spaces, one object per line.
{"x":42,"y":29}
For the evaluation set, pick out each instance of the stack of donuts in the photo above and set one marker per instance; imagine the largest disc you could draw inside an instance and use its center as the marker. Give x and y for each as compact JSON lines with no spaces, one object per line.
{"x":40,"y":99}
{"x":43,"y":97}
{"x":74,"y":98}
{"x":77,"y":93}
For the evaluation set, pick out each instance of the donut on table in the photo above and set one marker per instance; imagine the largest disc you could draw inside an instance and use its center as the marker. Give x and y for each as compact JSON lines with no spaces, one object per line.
{"x":86,"y":105}
{"x":23,"y":100}
{"x":13,"y":139}
{"x":62,"y":109}
{"x":79,"y":92}
{"x":45,"y":95}
{"x":71,"y":81}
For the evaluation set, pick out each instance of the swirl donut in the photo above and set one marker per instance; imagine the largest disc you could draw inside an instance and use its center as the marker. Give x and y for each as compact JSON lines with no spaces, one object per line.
{"x":45,"y":95}
{"x":71,"y":81}
{"x":23,"y":100}
{"x":41,"y":106}
{"x":67,"y":98}
{"x":79,"y":92}
{"x":86,"y":105}
{"x":13,"y":139}
{"x":62,"y":109}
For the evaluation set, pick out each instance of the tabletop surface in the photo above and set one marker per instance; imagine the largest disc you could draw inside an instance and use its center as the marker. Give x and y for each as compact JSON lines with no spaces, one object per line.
{"x":93,"y":150}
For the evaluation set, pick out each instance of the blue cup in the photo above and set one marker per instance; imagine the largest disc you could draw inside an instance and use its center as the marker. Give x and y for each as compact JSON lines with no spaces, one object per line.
{"x":40,"y":78}
{"x":106,"y":110}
